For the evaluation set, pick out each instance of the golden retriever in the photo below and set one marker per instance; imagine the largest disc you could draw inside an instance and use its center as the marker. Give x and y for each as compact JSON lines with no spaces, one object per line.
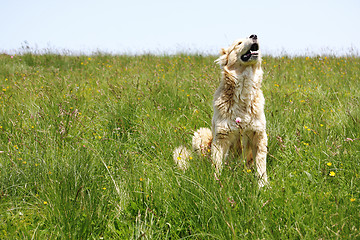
{"x":238,"y":123}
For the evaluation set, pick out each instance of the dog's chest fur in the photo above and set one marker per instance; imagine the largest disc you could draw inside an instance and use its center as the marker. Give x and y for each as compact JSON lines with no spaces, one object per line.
{"x":239,"y":96}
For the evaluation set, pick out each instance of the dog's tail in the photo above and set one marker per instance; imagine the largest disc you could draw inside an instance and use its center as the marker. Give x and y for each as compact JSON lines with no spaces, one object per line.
{"x":201,"y":141}
{"x":201,"y":144}
{"x":181,"y":156}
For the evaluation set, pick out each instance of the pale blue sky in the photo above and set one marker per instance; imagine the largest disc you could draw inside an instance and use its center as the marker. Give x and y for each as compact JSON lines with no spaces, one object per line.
{"x":166,"y":26}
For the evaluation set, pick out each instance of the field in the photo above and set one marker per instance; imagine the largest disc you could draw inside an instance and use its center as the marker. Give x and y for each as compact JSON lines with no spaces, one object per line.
{"x":86,"y":150}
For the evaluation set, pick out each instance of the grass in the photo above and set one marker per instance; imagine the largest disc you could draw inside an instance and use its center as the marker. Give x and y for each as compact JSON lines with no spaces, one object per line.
{"x":86,"y":150}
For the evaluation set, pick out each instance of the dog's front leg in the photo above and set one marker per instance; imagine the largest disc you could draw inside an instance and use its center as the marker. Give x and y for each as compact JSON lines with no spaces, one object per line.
{"x":219,"y":149}
{"x":259,"y":149}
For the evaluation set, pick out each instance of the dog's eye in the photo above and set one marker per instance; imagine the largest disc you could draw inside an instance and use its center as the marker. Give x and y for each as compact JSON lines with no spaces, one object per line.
{"x":239,"y":43}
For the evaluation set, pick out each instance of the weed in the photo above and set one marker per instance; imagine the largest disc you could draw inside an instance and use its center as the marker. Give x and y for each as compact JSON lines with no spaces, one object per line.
{"x":86,"y":150}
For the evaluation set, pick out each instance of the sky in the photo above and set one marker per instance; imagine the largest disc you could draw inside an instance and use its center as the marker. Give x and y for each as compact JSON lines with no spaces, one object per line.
{"x":166,"y":27}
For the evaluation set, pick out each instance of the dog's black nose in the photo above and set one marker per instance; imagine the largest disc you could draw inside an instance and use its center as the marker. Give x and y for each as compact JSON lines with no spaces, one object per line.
{"x":253,"y":36}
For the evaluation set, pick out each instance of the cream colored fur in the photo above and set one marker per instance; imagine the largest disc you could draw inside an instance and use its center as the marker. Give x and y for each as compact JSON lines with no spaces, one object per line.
{"x":201,"y":141}
{"x":181,"y":157}
{"x":240,"y":98}
{"x":238,"y":123}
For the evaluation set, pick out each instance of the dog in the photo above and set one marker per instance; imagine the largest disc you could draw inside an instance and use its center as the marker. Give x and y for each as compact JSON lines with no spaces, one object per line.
{"x":238,"y":123}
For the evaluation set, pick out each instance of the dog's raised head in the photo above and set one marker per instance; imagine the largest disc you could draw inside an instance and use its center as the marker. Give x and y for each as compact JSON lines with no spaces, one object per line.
{"x":242,"y":52}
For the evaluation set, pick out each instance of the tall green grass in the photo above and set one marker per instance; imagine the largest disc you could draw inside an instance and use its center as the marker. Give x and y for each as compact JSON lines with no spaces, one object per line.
{"x":86,"y":150}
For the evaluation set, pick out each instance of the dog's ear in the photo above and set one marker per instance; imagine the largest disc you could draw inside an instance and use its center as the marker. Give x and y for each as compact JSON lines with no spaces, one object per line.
{"x":223,"y":59}
{"x":223,"y":51}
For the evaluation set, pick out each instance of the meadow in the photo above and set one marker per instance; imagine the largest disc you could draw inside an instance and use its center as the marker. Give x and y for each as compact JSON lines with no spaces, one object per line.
{"x":86,"y":150}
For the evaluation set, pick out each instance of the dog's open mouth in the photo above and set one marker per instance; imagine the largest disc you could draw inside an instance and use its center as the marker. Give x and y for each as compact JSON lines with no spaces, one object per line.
{"x":253,"y":52}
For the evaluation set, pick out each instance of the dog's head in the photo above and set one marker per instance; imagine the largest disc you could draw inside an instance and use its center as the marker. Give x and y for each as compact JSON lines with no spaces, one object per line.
{"x":241,"y":52}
